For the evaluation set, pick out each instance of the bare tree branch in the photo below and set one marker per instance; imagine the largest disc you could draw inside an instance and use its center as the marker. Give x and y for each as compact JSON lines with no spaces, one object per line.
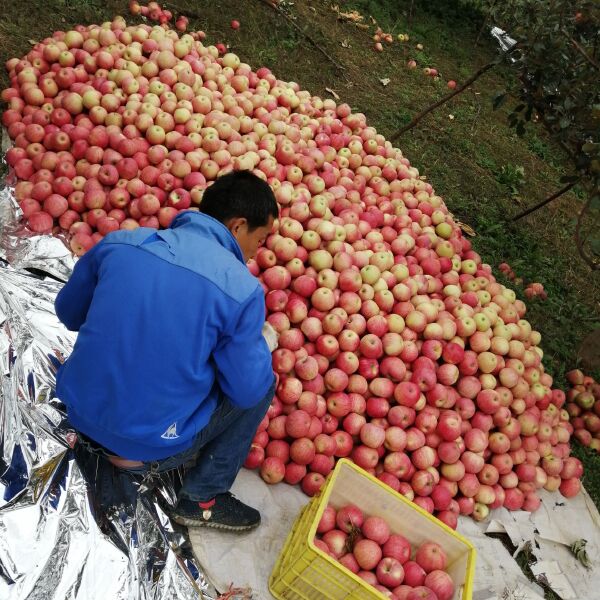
{"x":445,"y":99}
{"x":582,"y":51}
{"x":486,"y":20}
{"x":591,"y":261}
{"x":275,"y":7}
{"x":547,"y":200}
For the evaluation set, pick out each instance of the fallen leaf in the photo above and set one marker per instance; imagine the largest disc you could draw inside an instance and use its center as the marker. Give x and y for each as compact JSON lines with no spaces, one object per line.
{"x":578,"y":549}
{"x":385,"y":81}
{"x":353,"y":16}
{"x":466,"y":228}
{"x":32,"y":42}
{"x":345,"y":44}
{"x":333,"y":93}
{"x":451,"y":117}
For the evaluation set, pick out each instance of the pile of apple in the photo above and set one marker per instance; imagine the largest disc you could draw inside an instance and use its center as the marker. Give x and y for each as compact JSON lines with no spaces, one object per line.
{"x":583,"y":405}
{"x":367,"y":547}
{"x":397,"y":345}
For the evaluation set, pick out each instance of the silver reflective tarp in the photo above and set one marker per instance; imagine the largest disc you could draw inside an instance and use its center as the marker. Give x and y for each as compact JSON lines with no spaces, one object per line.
{"x":71,"y":525}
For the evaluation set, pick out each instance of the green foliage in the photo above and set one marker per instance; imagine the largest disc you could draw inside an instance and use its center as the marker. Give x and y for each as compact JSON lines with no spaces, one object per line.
{"x":557,"y":63}
{"x":486,"y":162}
{"x":540,"y":148}
{"x":513,"y":177}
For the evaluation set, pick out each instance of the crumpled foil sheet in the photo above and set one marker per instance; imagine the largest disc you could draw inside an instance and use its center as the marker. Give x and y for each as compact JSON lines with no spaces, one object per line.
{"x":506,"y":44}
{"x":504,"y":40}
{"x":23,"y":250}
{"x":71,"y":525}
{"x":18,"y":246}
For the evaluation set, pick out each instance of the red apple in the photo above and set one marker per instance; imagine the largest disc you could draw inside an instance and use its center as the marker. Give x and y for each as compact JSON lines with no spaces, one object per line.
{"x":414,"y":575}
{"x":390,"y":572}
{"x":367,"y":553}
{"x":430,"y":556}
{"x":398,"y":547}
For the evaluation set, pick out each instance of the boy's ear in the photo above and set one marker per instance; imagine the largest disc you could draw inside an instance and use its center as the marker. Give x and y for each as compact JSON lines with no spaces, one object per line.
{"x":236,"y":225}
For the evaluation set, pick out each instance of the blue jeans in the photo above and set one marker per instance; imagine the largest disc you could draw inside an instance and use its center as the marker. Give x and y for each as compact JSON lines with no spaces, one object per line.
{"x":219,"y":450}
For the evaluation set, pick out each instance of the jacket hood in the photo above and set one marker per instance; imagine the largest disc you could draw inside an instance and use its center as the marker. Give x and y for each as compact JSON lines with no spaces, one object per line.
{"x":208,"y":227}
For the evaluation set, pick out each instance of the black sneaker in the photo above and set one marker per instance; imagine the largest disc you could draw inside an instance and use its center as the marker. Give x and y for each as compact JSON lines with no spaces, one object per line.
{"x":225,"y":511}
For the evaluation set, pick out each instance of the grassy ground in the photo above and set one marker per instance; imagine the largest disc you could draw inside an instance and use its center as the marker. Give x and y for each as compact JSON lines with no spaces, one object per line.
{"x":483,"y":170}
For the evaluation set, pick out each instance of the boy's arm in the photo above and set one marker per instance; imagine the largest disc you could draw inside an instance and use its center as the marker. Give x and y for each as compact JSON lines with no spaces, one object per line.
{"x":243,"y":358}
{"x":73,"y":301}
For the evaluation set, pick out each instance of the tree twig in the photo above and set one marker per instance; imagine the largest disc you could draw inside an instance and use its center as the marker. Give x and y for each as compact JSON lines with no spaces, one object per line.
{"x":551,"y":129}
{"x":590,"y":229}
{"x":483,"y":26}
{"x":488,"y":14}
{"x":443,"y":100}
{"x":295,"y":25}
{"x":582,"y":51}
{"x":184,"y":11}
{"x":592,"y":262}
{"x":547,"y":200}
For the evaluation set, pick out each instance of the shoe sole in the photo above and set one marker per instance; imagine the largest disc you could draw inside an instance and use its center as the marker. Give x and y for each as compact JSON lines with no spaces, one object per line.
{"x":195,"y":523}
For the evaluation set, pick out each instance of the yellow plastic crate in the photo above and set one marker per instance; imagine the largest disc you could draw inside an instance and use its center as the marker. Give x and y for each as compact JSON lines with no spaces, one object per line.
{"x":303,"y":572}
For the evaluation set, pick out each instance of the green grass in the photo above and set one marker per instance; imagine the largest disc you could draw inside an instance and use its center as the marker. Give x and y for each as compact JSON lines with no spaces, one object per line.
{"x":462,"y":156}
{"x":540,"y":148}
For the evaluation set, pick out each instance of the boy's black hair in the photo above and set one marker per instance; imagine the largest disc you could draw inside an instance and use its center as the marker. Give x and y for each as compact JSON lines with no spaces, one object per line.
{"x":240,"y":194}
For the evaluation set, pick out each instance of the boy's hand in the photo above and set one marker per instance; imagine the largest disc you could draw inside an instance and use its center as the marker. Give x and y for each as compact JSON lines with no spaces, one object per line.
{"x":271,"y":336}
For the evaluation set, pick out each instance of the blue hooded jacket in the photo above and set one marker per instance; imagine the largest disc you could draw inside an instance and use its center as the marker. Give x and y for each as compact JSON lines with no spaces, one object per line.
{"x":165,"y":319}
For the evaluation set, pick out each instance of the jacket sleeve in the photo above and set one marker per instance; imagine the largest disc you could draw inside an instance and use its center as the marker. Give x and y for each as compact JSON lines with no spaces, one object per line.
{"x":73,"y":301}
{"x":242,"y":356}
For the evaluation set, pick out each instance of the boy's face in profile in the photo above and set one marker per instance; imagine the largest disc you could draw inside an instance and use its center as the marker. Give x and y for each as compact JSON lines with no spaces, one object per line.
{"x":249,"y":240}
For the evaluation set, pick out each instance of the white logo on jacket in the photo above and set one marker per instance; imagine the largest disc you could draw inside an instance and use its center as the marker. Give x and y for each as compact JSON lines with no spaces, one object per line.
{"x":171,"y":432}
